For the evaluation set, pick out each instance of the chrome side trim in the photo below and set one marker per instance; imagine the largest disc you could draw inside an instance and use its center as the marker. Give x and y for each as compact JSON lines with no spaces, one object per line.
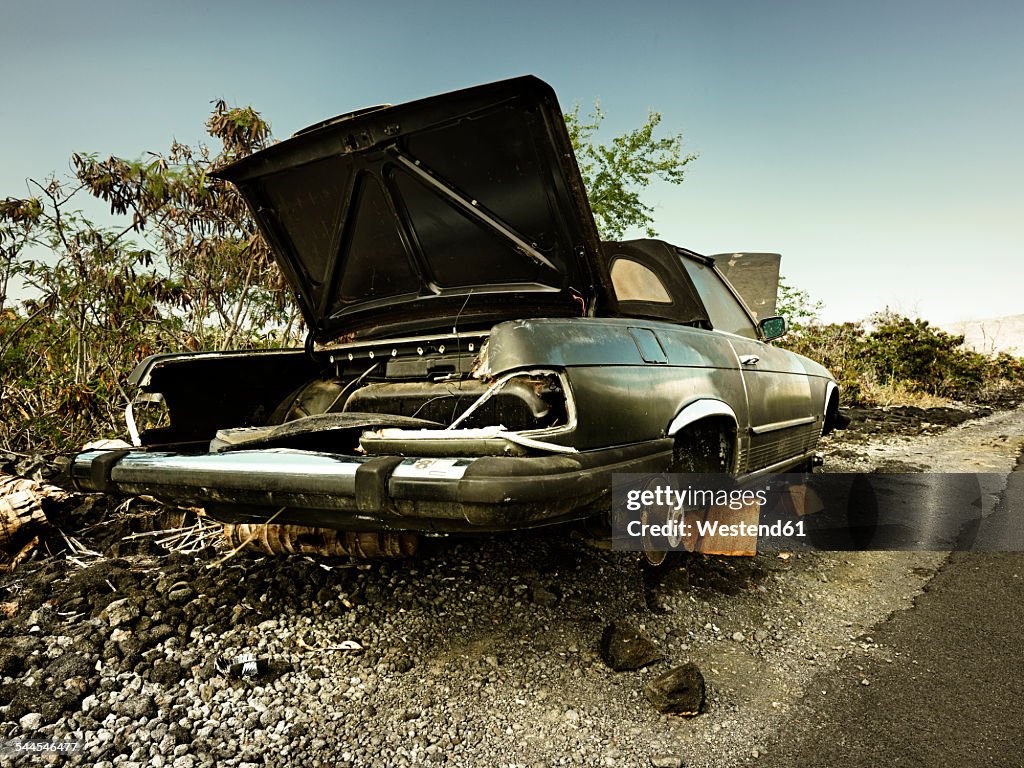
{"x":777,"y":425}
{"x":776,"y":467}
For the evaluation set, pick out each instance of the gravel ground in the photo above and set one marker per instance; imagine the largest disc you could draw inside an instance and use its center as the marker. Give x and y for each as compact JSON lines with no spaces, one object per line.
{"x":479,"y":652}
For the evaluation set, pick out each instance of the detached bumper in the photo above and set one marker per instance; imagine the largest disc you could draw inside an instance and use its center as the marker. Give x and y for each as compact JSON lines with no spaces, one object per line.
{"x":373,"y":492}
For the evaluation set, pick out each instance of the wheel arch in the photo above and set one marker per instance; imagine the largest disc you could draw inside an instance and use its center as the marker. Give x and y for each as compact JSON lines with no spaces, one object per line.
{"x":700,"y":420}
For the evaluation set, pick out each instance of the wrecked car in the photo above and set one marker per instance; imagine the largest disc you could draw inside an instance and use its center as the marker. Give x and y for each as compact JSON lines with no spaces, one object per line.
{"x":477,"y":358}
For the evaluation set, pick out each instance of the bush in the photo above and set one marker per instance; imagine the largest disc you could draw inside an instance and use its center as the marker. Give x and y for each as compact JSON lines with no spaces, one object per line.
{"x":900,"y":358}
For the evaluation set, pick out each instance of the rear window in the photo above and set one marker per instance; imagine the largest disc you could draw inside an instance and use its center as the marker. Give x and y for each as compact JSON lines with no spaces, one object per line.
{"x":635,"y":282}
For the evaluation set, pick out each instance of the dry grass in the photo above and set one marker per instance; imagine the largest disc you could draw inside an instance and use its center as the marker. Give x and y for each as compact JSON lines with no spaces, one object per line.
{"x":899,"y":393}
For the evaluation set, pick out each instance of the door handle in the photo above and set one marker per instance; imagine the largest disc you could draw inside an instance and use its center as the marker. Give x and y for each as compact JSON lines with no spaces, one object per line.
{"x":749,"y":359}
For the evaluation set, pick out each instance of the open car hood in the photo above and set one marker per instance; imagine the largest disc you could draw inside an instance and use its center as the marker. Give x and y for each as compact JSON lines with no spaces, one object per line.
{"x":466,"y":207}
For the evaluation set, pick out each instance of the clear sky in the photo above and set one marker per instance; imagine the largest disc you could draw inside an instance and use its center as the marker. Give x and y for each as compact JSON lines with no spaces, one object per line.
{"x":876,"y":145}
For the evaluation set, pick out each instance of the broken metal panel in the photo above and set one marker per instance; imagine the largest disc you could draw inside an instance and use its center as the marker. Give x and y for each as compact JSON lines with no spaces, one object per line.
{"x":337,"y":432}
{"x":755,"y":276}
{"x":481,"y":441}
{"x":521,"y":404}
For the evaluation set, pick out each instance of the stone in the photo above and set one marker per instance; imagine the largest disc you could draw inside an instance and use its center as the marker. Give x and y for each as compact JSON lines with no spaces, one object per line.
{"x":30,"y":722}
{"x":625,"y":648}
{"x":121,"y":612}
{"x":680,"y":691}
{"x":666,"y":761}
{"x":544,"y":597}
{"x":139,"y":707}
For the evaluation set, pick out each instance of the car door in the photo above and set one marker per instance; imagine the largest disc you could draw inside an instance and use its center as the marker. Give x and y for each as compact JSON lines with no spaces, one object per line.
{"x":782,"y":420}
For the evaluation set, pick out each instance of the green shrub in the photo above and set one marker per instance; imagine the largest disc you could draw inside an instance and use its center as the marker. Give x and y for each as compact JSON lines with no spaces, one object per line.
{"x":901,"y":357}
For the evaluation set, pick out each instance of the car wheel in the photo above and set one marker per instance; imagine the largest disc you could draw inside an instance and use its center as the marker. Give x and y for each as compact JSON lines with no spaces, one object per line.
{"x":699,"y":449}
{"x":655,"y":553}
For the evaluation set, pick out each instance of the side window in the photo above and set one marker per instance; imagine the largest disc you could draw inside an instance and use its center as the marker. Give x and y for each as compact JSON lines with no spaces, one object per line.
{"x":724,"y":310}
{"x":635,"y":282}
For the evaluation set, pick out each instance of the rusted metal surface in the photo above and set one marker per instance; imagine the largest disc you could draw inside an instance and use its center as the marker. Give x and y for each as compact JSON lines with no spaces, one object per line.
{"x":717,"y":544}
{"x":274,"y":539}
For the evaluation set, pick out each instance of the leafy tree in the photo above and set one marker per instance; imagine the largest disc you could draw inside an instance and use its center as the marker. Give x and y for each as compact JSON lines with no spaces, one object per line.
{"x":616,"y":173}
{"x":797,"y":306}
{"x":102,"y":301}
{"x":204,"y":231}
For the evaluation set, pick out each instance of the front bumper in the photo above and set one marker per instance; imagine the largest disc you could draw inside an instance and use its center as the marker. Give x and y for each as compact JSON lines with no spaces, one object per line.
{"x":390,"y":493}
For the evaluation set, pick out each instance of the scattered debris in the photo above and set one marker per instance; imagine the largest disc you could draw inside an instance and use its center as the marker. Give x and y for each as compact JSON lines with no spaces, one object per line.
{"x":275,"y":539}
{"x":186,"y":539}
{"x":680,"y":691}
{"x":242,"y":665}
{"x":78,"y":553}
{"x":344,"y":645}
{"x":23,"y":516}
{"x":624,"y":648}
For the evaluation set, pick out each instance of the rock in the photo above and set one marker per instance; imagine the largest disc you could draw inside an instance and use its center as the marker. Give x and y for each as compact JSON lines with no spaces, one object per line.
{"x":155,"y":634}
{"x":544,"y":597}
{"x":121,"y":612}
{"x":30,"y":722}
{"x":180,"y":593}
{"x":625,"y":648}
{"x":11,"y":662}
{"x":680,"y":691}
{"x":137,"y":707}
{"x":666,"y":761}
{"x":77,"y":685}
{"x":60,"y":702}
{"x":739,"y":637}
{"x":166,"y":672}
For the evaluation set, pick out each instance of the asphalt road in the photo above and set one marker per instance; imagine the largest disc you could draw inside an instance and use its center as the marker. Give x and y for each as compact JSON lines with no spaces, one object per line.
{"x":945,"y":687}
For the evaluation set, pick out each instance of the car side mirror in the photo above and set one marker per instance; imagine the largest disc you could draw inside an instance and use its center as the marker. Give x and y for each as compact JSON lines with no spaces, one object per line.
{"x":773,"y":327}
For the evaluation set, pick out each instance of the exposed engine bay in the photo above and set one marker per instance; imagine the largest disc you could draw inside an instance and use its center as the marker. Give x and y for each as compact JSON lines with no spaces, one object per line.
{"x":377,"y":402}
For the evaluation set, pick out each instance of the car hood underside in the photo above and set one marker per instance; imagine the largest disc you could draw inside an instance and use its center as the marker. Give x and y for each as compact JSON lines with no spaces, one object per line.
{"x":467,"y":206}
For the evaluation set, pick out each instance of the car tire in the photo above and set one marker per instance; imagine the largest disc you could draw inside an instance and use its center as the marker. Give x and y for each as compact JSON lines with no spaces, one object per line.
{"x":702,"y":448}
